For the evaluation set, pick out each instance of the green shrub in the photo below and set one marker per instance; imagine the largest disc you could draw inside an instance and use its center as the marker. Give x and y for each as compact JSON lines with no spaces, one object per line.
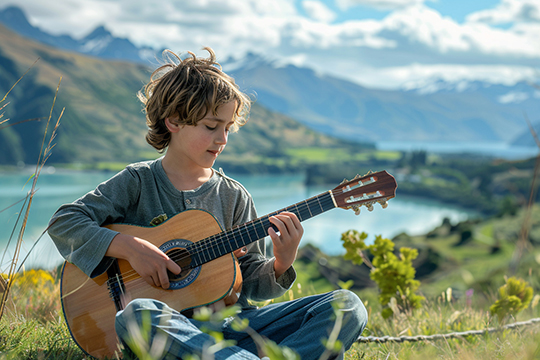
{"x":514,"y":296}
{"x":394,"y":275}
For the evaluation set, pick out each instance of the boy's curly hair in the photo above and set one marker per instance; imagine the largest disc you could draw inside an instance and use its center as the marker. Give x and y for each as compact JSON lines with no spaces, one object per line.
{"x":184,"y":91}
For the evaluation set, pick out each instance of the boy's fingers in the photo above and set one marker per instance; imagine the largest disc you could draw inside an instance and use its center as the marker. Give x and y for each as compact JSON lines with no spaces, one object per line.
{"x":155,"y":280}
{"x":149,"y":280}
{"x":279,"y":224}
{"x":163,"y":279}
{"x":272,"y":232}
{"x":289,"y":222}
{"x":240,"y":252}
{"x":173,"y":267}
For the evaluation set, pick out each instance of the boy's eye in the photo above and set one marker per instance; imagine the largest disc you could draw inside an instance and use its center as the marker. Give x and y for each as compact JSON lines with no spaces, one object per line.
{"x":211,"y":128}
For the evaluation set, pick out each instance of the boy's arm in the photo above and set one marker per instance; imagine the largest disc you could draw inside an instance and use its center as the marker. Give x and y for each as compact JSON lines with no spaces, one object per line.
{"x":145,"y":258}
{"x":270,"y":278}
{"x":76,"y":228}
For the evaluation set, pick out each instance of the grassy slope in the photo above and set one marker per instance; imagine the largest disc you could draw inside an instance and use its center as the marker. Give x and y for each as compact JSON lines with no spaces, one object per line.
{"x":33,"y":328}
{"x":102,"y":115}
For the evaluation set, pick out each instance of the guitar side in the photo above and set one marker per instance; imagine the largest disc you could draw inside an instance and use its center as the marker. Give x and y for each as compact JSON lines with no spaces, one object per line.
{"x":90,"y":311}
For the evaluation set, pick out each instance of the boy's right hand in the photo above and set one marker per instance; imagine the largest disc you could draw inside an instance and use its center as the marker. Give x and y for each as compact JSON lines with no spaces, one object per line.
{"x":145,"y":258}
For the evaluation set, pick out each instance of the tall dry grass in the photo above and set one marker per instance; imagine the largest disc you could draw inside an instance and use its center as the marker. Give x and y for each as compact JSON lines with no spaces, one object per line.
{"x":8,"y":279}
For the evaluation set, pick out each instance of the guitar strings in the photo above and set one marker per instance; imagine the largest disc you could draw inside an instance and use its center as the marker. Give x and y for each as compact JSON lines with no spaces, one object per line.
{"x":216,"y":239}
{"x":214,"y":242}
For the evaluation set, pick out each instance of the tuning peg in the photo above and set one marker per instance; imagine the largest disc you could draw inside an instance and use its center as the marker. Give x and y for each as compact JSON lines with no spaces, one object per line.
{"x":356,"y":209}
{"x":344,"y":181}
{"x":384,"y":204}
{"x":369,"y":207}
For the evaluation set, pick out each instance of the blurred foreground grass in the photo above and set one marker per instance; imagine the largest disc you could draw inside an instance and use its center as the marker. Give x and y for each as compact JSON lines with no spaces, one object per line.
{"x":33,"y":326}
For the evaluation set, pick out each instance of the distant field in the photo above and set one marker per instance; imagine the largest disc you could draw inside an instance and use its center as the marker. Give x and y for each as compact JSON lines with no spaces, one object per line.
{"x":322,"y":155}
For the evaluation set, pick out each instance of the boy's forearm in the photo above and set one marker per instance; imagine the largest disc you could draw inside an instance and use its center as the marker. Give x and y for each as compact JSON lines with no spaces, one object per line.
{"x":280,"y":269}
{"x":122,"y":246}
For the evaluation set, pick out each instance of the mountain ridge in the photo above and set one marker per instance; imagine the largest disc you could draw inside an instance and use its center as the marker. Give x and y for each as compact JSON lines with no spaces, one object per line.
{"x":434,"y":110}
{"x":344,"y":109}
{"x":111,"y":47}
{"x":103,"y":119}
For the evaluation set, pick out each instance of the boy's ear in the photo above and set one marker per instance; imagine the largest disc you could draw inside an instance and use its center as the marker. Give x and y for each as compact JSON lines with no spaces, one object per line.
{"x":172,"y":126}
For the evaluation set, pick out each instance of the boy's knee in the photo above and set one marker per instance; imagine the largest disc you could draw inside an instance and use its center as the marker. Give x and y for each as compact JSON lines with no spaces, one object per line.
{"x":354,"y":312}
{"x":134,"y":314}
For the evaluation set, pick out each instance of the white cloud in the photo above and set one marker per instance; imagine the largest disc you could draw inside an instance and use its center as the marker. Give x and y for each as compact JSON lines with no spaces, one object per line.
{"x":442,"y":36}
{"x":318,"y":11}
{"x":515,"y":97}
{"x":412,"y":42}
{"x":378,"y":4}
{"x":422,"y":76}
{"x":509,"y":11}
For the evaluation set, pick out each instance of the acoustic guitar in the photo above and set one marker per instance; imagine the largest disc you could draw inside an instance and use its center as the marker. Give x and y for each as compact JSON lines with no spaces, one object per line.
{"x":210,"y":272}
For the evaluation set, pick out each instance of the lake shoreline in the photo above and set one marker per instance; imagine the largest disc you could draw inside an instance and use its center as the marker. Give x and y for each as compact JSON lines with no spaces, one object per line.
{"x":270,"y":193}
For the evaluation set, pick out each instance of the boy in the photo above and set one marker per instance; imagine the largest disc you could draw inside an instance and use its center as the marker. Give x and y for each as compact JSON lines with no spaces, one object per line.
{"x":191,"y":106}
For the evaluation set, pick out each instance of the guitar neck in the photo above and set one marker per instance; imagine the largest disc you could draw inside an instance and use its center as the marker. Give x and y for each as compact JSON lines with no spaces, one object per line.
{"x":228,"y":241}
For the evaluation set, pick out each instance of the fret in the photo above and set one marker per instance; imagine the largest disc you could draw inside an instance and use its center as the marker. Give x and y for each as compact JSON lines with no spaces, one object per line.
{"x":211,"y":246}
{"x":239,"y":236}
{"x":225,"y":237}
{"x":320,"y":206}
{"x":247,"y":232}
{"x":236,"y":243}
{"x":221,"y":250}
{"x":310,"y":214}
{"x":260,"y":230}
{"x":195,"y":255}
{"x":202,"y":252}
{"x":243,"y":241}
{"x":298,"y":213}
{"x":230,"y":247}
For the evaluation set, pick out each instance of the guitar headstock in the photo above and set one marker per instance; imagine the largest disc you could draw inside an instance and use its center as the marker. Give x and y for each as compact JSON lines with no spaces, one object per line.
{"x":365,"y":190}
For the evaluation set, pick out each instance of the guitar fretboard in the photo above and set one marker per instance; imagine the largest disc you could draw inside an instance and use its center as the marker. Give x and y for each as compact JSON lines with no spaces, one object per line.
{"x":228,"y":241}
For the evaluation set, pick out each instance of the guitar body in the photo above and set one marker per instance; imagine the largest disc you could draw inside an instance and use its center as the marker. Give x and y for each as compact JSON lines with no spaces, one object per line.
{"x":90,"y":310}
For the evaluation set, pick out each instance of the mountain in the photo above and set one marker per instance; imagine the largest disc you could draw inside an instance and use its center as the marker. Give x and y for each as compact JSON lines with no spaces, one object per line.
{"x":100,"y":42}
{"x":103,"y":120}
{"x":432,"y":110}
{"x":478,"y":112}
{"x":526,"y":138}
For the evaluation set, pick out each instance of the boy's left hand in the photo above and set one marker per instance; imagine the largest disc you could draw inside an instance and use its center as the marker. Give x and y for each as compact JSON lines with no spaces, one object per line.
{"x":287,"y":241}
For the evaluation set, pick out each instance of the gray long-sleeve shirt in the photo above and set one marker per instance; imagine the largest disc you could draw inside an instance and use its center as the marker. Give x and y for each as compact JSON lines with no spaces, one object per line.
{"x":142,"y":193}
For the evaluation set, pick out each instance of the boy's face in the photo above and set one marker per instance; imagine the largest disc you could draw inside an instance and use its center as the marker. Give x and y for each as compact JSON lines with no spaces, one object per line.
{"x":198,"y":146}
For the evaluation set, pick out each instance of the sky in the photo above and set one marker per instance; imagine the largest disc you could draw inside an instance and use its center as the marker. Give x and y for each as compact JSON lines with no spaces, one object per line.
{"x":376,"y":43}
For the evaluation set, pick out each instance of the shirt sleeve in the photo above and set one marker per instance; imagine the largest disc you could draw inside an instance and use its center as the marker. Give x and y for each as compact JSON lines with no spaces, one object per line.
{"x":259,"y":279}
{"x":76,"y":228}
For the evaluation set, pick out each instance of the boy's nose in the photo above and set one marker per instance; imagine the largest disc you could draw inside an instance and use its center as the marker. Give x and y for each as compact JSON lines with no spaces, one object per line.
{"x":222,"y":137}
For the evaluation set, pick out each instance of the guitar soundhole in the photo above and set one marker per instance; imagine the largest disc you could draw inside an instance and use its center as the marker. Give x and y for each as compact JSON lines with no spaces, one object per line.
{"x":176,"y":250}
{"x":183,"y":259}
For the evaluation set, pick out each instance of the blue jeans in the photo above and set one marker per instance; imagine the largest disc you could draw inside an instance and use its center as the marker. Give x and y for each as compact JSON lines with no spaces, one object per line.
{"x":299,"y":324}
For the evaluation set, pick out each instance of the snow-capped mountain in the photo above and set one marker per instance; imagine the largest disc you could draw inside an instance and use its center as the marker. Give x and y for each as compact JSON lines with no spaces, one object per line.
{"x":439,"y":111}
{"x":429,"y":110}
{"x":100,"y":42}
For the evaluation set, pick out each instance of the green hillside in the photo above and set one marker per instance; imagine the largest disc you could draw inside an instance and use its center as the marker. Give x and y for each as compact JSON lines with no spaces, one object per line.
{"x":103,"y":121}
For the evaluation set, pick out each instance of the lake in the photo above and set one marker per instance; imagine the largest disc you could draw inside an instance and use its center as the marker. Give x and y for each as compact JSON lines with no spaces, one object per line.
{"x":270,"y":193}
{"x":500,"y":150}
